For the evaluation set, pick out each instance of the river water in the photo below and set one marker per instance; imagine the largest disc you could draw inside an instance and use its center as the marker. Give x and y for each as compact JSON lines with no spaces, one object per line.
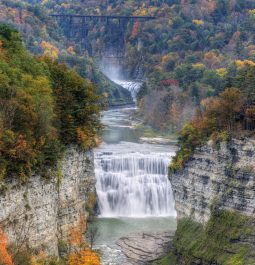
{"x":134,"y":193}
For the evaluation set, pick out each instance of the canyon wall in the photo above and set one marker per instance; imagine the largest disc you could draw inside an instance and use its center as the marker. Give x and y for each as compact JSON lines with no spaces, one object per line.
{"x":41,"y":212}
{"x":224,"y":173}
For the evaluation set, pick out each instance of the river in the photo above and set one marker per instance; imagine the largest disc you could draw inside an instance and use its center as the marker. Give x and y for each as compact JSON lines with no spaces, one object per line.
{"x":134,"y":193}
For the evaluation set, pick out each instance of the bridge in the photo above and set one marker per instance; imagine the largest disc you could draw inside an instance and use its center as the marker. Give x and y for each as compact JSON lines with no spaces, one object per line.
{"x":102,"y":17}
{"x":76,"y":27}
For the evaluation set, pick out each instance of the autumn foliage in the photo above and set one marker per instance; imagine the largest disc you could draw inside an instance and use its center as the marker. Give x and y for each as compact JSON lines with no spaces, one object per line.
{"x":81,"y":253}
{"x":84,"y":257}
{"x":135,"y":29}
{"x":5,"y":258}
{"x":44,"y":106}
{"x":216,"y":119}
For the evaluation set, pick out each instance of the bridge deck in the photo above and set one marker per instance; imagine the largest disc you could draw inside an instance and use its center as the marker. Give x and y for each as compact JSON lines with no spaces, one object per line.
{"x":104,"y":17}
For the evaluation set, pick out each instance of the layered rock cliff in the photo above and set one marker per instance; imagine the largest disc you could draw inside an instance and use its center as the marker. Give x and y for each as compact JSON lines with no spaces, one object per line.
{"x":41,"y":213}
{"x":215,"y":203}
{"x":225,"y":173}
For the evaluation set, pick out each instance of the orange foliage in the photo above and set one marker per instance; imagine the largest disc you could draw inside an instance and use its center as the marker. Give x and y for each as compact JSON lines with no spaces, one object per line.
{"x":76,"y":238}
{"x":71,"y":50}
{"x":82,"y":254}
{"x":84,"y":137}
{"x":1,"y":45}
{"x":175,"y":114}
{"x":39,"y":259}
{"x":5,"y":257}
{"x":85,"y":257}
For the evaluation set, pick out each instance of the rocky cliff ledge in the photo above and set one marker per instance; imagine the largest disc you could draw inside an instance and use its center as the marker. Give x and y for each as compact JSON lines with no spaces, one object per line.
{"x":225,"y":173}
{"x":41,"y":212}
{"x":215,"y":204}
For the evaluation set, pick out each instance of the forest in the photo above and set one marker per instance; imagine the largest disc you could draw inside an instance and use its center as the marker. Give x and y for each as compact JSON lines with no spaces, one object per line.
{"x":44,"y":107}
{"x":192,"y":51}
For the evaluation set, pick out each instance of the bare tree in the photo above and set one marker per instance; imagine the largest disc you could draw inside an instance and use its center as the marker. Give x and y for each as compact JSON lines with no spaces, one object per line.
{"x":92,"y":234}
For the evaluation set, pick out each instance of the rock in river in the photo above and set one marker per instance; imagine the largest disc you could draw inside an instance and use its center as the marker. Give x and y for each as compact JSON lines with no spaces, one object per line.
{"x":144,"y":248}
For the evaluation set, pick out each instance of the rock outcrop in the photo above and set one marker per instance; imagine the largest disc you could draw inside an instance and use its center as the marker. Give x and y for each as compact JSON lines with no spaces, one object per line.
{"x":225,"y":173}
{"x":144,"y":248}
{"x":41,"y":212}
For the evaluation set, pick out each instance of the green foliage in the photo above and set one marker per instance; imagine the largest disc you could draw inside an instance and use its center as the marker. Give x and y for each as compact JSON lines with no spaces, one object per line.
{"x":170,"y":259}
{"x":59,"y":176}
{"x":189,"y":138}
{"x":219,"y":241}
{"x":77,"y":106}
{"x":43,"y":107}
{"x":91,"y":202}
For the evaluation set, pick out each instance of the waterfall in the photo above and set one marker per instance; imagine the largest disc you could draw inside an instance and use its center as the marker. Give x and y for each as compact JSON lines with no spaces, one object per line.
{"x":131,"y":86}
{"x":132,"y":181}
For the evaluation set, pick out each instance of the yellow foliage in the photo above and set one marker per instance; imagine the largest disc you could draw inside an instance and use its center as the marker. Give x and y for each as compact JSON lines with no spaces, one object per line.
{"x":65,"y":5}
{"x":40,"y":259}
{"x":241,"y":64}
{"x":44,"y":2}
{"x":166,"y":58}
{"x":198,"y":65}
{"x":198,"y":22}
{"x":221,"y":72}
{"x":84,"y":257}
{"x":49,"y":49}
{"x":141,"y":12}
{"x":252,"y":12}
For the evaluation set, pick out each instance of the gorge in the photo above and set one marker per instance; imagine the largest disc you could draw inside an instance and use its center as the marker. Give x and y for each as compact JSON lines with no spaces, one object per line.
{"x":127,"y":132}
{"x":134,"y":193}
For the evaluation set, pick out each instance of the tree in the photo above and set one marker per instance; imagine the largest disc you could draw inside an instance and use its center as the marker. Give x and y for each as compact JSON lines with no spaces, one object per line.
{"x":81,"y":253}
{"x":77,"y":106}
{"x":92,"y":235}
{"x":231,"y":101}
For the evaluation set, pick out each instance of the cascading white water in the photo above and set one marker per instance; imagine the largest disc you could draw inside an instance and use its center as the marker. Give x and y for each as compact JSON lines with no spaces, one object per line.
{"x":131,"y":177}
{"x":133,"y":183}
{"x":132,"y":87}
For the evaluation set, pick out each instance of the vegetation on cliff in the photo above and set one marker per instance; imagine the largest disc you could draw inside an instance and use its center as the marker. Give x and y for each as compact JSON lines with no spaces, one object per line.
{"x":76,"y":251}
{"x":231,"y":113}
{"x":43,"y":107}
{"x":223,"y":240}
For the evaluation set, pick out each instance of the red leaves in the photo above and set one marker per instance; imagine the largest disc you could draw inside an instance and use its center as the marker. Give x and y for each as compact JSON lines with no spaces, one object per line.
{"x":135,"y":29}
{"x":170,"y":82}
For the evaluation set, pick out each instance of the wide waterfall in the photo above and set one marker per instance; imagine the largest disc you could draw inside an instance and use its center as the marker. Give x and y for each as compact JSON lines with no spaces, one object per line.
{"x":132,"y":181}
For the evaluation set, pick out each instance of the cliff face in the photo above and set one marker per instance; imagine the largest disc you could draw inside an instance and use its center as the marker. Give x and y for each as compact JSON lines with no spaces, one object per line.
{"x":42,"y":212}
{"x":225,"y":174}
